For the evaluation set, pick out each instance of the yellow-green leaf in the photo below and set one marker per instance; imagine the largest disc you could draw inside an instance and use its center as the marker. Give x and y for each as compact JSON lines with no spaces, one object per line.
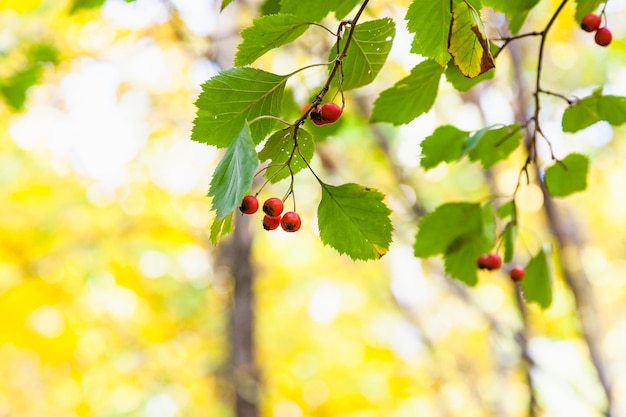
{"x":468,"y":43}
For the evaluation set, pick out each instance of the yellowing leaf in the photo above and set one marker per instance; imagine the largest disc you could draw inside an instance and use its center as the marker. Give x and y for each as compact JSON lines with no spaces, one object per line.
{"x":468,"y":43}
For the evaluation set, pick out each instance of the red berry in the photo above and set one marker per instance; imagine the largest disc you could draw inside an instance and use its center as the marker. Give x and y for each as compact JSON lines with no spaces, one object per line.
{"x":603,"y":36}
{"x":517,"y":273}
{"x":273,"y":206}
{"x":290,"y":221}
{"x":270,"y":222}
{"x":489,"y":261}
{"x":316,"y":117}
{"x":330,"y":112}
{"x":249,"y":205}
{"x":591,"y":22}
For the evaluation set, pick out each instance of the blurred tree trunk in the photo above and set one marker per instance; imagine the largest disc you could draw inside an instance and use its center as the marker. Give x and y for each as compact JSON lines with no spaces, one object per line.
{"x":236,"y":255}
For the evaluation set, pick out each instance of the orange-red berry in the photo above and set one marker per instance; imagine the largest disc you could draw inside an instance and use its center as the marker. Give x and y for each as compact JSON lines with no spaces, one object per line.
{"x":270,"y":222}
{"x":249,"y":205}
{"x":290,"y":221}
{"x":603,"y":36}
{"x":273,"y":207}
{"x":330,"y":112}
{"x":591,"y":22}
{"x":489,"y":261}
{"x":517,"y":273}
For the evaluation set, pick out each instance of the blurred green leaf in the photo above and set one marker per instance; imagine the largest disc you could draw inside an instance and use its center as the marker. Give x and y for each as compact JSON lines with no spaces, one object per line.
{"x":584,"y":7}
{"x":367,"y":53}
{"x":267,"y":33}
{"x":444,"y":145}
{"x":508,"y":236}
{"x":461,"y":82}
{"x":232,"y":97}
{"x":593,"y":109}
{"x":225,"y":3}
{"x":409,"y":97}
{"x":221,"y":227}
{"x":537,"y":284}
{"x":495,"y":145}
{"x":354,"y":220}
{"x":516,"y":11}
{"x":232,"y":178}
{"x":567,"y":176}
{"x":507,"y":209}
{"x":15,"y":88}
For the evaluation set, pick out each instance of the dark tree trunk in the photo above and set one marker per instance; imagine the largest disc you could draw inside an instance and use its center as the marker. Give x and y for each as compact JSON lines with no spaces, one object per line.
{"x":236,"y":253}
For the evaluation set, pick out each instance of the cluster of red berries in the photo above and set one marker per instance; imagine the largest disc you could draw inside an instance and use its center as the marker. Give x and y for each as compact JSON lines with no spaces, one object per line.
{"x":591,"y":23}
{"x":273,"y":209}
{"x":492,"y":261}
{"x":325,"y":114}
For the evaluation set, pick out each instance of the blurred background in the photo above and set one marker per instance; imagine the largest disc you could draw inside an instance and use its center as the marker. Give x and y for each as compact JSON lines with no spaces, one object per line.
{"x":113,"y":302}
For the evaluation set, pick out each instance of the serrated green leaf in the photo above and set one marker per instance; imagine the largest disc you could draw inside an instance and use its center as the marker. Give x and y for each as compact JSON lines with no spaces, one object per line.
{"x":429,"y":20}
{"x":280,"y":147}
{"x":221,"y":227}
{"x":567,"y":176}
{"x":593,"y":109}
{"x":409,"y":97}
{"x":584,"y":7}
{"x":232,"y":97}
{"x":496,"y":145}
{"x":447,"y":223}
{"x":461,"y":82}
{"x":517,"y":11}
{"x":270,"y":7}
{"x":313,"y":11}
{"x":444,"y":145}
{"x":367,"y":53}
{"x":468,"y":43}
{"x":267,"y":33}
{"x":343,"y":7}
{"x":232,"y":178}
{"x":537,"y":284}
{"x":354,"y":220}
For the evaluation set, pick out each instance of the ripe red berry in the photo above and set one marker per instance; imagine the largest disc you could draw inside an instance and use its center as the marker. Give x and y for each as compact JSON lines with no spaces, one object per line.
{"x":249,"y":205}
{"x":603,"y":36}
{"x":273,"y":206}
{"x":316,"y":117}
{"x":591,"y":22}
{"x":270,"y":222}
{"x":489,"y":261}
{"x":290,"y":221}
{"x":517,"y":273}
{"x":330,"y":112}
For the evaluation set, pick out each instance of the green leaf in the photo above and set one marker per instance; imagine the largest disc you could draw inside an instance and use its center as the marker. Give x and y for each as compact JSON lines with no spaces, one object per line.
{"x":507,"y":210}
{"x":461,"y":82}
{"x":367,"y":52}
{"x":444,"y":145}
{"x":221,"y":227}
{"x":85,"y":4}
{"x":567,"y":176}
{"x":517,"y":11}
{"x":593,"y":109}
{"x":225,"y":3}
{"x":312,"y":11}
{"x":439,"y":229}
{"x":508,"y":236}
{"x":468,"y":43}
{"x":232,"y":97}
{"x":270,"y":7}
{"x":354,"y":220}
{"x":536,"y":284}
{"x":232,"y":178}
{"x":409,"y":97}
{"x":267,"y":33}
{"x":280,"y":147}
{"x":14,"y":88}
{"x":584,"y":7}
{"x":460,"y":259}
{"x":343,"y":7}
{"x":429,"y":20}
{"x":496,"y":145}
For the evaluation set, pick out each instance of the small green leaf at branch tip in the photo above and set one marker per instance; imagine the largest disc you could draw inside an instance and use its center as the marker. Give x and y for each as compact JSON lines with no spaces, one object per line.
{"x":468,"y":43}
{"x":267,"y":33}
{"x":444,"y":145}
{"x":225,"y":3}
{"x":354,"y":220}
{"x":496,"y":144}
{"x":592,"y":109}
{"x":567,"y":176}
{"x":233,"y":96}
{"x":233,"y":176}
{"x":537,"y":284}
{"x":409,"y":97}
{"x":368,"y":51}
